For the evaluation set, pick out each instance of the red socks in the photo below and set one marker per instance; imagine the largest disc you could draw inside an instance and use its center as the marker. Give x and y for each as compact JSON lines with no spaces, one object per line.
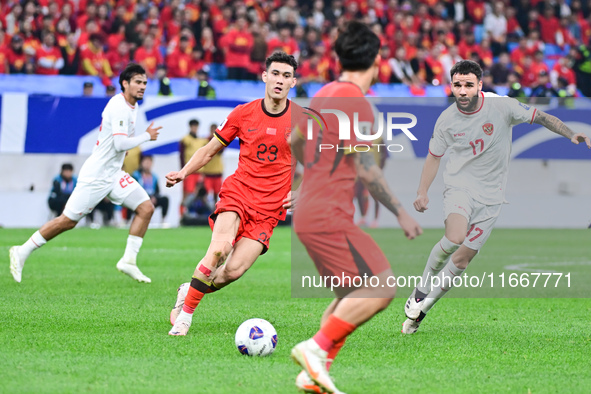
{"x":192,"y":299}
{"x":332,"y":354}
{"x":333,"y":331}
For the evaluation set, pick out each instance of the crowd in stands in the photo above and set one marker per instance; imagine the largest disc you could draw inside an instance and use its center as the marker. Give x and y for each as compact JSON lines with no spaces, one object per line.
{"x":542,"y":46}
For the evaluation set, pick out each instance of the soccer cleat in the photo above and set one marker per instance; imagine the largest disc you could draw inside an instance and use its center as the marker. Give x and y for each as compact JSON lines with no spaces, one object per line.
{"x":412,"y":308}
{"x":180,"y":328}
{"x":129,"y":267}
{"x":180,"y":301}
{"x":16,"y":265}
{"x":410,"y":326}
{"x":312,"y":358}
{"x":307,"y":385}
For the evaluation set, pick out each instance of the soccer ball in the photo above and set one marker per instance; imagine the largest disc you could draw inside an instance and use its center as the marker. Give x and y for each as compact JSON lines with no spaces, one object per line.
{"x":256,"y":337}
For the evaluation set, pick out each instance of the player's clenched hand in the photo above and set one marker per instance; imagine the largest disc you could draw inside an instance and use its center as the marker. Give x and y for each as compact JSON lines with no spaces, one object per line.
{"x":174,"y":177}
{"x":153,"y":131}
{"x":290,"y":200}
{"x":581,"y":137}
{"x":410,"y":226}
{"x":421,"y":202}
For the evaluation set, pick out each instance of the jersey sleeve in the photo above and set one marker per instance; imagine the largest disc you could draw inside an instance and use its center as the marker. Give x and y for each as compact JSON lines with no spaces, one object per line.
{"x":230,"y":127}
{"x":438,"y":144}
{"x":519,"y":112}
{"x":117,"y":116}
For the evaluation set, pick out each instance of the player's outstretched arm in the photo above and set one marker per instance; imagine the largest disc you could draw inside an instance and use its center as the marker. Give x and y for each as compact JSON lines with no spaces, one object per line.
{"x":123,"y":142}
{"x":554,"y":124}
{"x":198,"y":160}
{"x":427,"y":176}
{"x":372,"y":177}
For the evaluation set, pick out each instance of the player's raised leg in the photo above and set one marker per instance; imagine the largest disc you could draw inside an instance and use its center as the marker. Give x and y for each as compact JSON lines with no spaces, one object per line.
{"x":135,"y":198}
{"x":456,"y":226}
{"x":352,"y":310}
{"x":224,"y":231}
{"x":51,"y":229}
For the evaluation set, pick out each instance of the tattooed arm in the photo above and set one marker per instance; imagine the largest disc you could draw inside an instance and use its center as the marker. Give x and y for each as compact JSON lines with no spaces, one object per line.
{"x":372,"y":177}
{"x":554,"y":124}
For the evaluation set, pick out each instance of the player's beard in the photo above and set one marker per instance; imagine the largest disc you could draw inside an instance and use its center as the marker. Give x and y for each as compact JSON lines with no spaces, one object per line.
{"x":470,"y":106}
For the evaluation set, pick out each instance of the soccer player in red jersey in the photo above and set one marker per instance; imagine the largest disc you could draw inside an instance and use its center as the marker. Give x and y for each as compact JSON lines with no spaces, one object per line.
{"x":251,"y":200}
{"x":323,"y":217}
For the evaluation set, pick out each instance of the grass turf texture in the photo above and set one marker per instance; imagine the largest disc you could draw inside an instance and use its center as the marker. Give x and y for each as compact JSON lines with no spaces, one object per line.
{"x":76,"y":324}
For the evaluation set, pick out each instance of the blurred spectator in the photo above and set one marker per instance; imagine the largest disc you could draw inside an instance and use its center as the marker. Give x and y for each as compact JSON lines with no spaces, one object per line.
{"x":205,"y":89}
{"x":49,"y":58}
{"x":94,"y":61}
{"x":62,"y":188}
{"x":495,"y":24}
{"x":196,"y":208}
{"x":487,"y":82}
{"x":164,"y":88}
{"x":549,"y":25}
{"x":70,"y":55}
{"x":311,"y":70}
{"x":237,"y":44}
{"x":284,"y":42}
{"x":187,"y":147}
{"x":87,"y":89}
{"x":149,"y":181}
{"x":213,"y":170}
{"x":148,"y":56}
{"x":515,"y":89}
{"x":385,"y":70}
{"x":500,"y":70}
{"x":543,"y":90}
{"x":562,"y":70}
{"x":448,"y":60}
{"x":119,"y":58}
{"x":402,"y":71}
{"x":16,"y":57}
{"x":421,"y":68}
{"x":110,"y":91}
{"x":179,"y":61}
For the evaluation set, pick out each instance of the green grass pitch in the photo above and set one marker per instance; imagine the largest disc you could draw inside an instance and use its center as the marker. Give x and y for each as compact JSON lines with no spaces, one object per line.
{"x":75,"y":324}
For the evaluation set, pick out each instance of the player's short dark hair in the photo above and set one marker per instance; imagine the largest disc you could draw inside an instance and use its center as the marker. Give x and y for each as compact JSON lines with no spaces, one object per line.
{"x":281,"y":57}
{"x":67,"y":166}
{"x":130,"y":71}
{"x":465,"y":67}
{"x":357,"y":47}
{"x":193,"y":122}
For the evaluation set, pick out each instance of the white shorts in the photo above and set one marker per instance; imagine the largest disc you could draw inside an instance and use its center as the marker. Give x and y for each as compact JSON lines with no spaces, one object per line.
{"x":123,"y":191}
{"x":481,"y":218}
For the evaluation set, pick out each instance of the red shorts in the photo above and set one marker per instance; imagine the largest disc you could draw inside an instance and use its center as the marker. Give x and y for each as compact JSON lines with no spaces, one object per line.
{"x":213,"y":183}
{"x":191,"y":182}
{"x":253,"y":225}
{"x":345,"y":253}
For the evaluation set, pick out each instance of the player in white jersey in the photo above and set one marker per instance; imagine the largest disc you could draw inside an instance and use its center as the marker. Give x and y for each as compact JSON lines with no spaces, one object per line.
{"x":477,"y":133}
{"x":101,"y":176}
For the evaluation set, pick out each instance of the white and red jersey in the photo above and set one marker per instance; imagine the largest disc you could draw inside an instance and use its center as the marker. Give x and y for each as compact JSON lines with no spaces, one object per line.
{"x":119,"y":118}
{"x":479,"y":145}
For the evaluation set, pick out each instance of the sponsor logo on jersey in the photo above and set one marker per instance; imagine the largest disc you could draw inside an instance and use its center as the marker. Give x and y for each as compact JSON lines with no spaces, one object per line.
{"x":221,"y":126}
{"x":488,"y":128}
{"x":458,"y":135}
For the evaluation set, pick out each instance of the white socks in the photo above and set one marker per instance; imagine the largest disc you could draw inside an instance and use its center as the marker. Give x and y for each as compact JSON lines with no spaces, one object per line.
{"x":134,"y":243}
{"x":439,"y":256}
{"x":35,"y":242}
{"x":442,"y":284}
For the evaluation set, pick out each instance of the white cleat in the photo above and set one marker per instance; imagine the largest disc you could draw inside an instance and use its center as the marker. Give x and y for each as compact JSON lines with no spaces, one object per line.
{"x":313,"y":360}
{"x":410,"y":326}
{"x":412,"y":308}
{"x":180,"y":301}
{"x":16,"y":265}
{"x":306,"y":385}
{"x":129,"y":267}
{"x":180,"y":328}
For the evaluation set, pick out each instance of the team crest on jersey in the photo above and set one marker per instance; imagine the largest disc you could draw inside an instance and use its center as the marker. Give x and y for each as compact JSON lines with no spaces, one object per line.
{"x":488,"y":128}
{"x":287,"y":133}
{"x":120,"y":123}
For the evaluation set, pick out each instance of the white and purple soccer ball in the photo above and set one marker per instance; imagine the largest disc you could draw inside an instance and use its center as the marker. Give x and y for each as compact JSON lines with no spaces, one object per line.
{"x":256,"y":337}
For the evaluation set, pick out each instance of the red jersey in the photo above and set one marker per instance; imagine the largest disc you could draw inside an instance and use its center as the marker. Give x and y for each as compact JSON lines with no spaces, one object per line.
{"x":47,"y":56}
{"x":150,"y":59}
{"x":117,"y":61}
{"x":238,"y":44}
{"x":325,"y":201}
{"x":179,"y":64}
{"x":263,"y":176}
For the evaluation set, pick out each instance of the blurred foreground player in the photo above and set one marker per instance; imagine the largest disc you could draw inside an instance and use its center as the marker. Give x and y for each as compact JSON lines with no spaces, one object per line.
{"x":323,"y":217}
{"x":251,"y":200}
{"x":476,"y":130}
{"x":101,"y":176}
